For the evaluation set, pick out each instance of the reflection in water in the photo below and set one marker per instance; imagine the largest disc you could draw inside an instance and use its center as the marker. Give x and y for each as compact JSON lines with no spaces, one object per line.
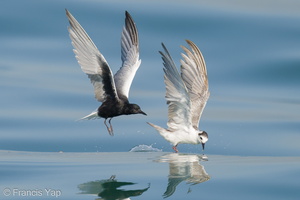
{"x":183,"y":167}
{"x":108,"y":189}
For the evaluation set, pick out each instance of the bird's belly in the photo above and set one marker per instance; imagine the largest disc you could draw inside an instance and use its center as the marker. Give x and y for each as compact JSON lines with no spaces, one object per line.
{"x":187,"y":139}
{"x":106,"y":111}
{"x":180,"y":137}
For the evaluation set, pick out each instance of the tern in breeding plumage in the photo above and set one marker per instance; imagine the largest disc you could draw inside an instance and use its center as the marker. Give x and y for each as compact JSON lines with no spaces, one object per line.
{"x":111,"y":90}
{"x":186,"y":95}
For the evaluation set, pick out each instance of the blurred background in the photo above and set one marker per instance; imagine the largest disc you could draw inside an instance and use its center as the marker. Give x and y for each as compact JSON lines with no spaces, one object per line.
{"x":251,"y":49}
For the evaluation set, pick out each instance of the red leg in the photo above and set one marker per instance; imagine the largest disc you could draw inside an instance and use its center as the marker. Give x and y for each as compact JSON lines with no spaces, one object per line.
{"x":109,"y":129}
{"x":175,"y":148}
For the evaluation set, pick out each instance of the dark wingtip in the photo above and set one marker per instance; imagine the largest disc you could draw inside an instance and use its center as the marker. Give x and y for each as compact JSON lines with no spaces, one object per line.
{"x":163,"y":45}
{"x":165,"y":49}
{"x":67,"y":11}
{"x":127,"y":15}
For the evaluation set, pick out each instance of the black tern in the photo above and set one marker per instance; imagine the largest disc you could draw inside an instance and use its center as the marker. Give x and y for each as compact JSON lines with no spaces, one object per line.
{"x":186,"y":95}
{"x":112,"y":91}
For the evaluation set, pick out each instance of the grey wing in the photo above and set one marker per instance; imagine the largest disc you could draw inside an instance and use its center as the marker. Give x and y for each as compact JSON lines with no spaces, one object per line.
{"x":178,"y":99}
{"x":194,"y":75}
{"x":91,"y":61}
{"x":130,"y":57}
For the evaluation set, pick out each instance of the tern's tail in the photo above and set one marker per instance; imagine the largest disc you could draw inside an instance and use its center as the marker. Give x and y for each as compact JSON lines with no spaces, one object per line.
{"x":93,"y":115}
{"x":158,"y":128}
{"x":163,"y":132}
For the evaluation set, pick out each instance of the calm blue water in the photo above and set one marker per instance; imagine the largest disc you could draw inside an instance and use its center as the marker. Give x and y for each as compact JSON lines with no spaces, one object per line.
{"x":146,"y":176}
{"x":252,"y":55}
{"x":252,"y":52}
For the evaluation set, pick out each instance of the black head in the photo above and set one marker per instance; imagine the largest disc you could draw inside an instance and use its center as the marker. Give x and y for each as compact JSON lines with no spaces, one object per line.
{"x":203,"y":136}
{"x":135,"y":109}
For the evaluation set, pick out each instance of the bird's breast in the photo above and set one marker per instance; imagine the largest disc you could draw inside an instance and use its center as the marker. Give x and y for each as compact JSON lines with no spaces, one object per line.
{"x":110,"y":109}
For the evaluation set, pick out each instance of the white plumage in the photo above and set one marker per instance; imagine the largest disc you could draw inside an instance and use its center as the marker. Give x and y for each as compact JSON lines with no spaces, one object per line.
{"x":186,"y":95}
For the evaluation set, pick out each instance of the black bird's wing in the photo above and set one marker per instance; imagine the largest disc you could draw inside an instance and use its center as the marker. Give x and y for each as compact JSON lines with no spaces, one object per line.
{"x":92,"y":62}
{"x":130,"y":57}
{"x":194,"y":75}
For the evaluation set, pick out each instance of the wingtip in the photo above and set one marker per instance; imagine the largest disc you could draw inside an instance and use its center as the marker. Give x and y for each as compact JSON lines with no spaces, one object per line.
{"x":193,"y":47}
{"x":188,"y":41}
{"x":131,"y":28}
{"x":127,"y":15}
{"x":163,"y":45}
{"x":67,"y":11}
{"x":69,"y":15}
{"x":165,"y":48}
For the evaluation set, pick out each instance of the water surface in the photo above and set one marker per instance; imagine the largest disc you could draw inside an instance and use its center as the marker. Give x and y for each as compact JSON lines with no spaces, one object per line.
{"x":123,"y":175}
{"x":252,"y":57}
{"x":251,"y":49}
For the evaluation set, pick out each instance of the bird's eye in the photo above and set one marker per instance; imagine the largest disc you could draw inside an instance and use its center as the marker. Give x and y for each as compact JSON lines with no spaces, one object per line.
{"x":201,"y":138}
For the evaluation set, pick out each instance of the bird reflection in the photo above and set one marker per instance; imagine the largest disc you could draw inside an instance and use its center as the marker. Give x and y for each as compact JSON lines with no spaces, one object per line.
{"x":108,"y":189}
{"x":183,"y":167}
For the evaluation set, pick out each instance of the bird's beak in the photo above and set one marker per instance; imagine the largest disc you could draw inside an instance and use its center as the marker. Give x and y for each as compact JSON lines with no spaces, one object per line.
{"x":143,"y":113}
{"x":203,"y":145}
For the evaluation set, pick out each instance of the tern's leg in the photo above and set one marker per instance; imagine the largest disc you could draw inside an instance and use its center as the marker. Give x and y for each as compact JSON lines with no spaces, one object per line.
{"x":111,"y":132}
{"x":175,"y":148}
{"x":106,"y":125}
{"x":109,"y":129}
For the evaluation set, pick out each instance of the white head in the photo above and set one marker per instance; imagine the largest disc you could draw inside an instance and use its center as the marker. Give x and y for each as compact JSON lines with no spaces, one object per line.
{"x":203,"y":137}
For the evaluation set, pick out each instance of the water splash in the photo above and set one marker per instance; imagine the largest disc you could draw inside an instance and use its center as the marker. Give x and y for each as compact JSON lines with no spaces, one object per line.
{"x":144,"y":148}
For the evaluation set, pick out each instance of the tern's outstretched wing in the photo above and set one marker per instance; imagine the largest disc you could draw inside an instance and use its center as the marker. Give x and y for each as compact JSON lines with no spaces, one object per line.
{"x":130,"y":57}
{"x":176,"y":95}
{"x":92,"y":61}
{"x":194,"y":75}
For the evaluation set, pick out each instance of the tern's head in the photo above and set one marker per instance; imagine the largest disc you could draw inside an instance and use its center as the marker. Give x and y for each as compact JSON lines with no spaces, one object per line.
{"x":135,"y":109}
{"x":203,"y":137}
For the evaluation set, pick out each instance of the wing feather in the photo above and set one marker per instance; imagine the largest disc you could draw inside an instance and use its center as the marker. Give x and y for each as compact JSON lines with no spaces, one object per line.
{"x":176,"y":95}
{"x":92,"y":62}
{"x":194,"y":75}
{"x":130,"y":57}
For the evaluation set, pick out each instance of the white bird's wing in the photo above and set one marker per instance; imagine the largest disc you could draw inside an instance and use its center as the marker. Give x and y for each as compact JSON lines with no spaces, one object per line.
{"x":92,"y":62}
{"x":194,"y":75}
{"x":177,"y":97}
{"x":130,"y":57}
